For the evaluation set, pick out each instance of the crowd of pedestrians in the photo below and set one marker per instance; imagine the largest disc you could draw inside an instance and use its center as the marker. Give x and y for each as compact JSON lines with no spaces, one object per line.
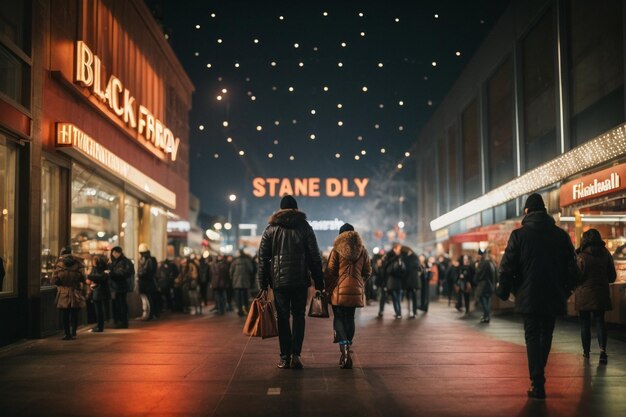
{"x":539,"y":267}
{"x":103,"y":283}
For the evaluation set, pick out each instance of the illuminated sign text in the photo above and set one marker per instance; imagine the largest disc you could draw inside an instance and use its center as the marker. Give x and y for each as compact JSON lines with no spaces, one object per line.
{"x":309,"y":187}
{"x":153,"y":134}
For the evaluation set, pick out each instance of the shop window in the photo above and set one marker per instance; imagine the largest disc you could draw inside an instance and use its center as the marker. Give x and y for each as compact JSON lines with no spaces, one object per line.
{"x":130,"y":227}
{"x":538,"y":70}
{"x":596,"y":67}
{"x":158,"y":232}
{"x":471,"y":151}
{"x":14,"y":23}
{"x":14,"y":77}
{"x":95,"y":213}
{"x":500,"y":125}
{"x":442,"y":168}
{"x":8,"y":169}
{"x":50,"y":207}
{"x":453,"y":161}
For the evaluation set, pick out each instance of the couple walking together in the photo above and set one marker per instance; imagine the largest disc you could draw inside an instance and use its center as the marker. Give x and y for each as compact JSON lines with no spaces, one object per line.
{"x":289,"y":257}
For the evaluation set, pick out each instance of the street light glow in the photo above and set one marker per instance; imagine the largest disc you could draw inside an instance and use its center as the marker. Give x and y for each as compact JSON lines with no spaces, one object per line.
{"x":232,"y":197}
{"x":228,"y":226}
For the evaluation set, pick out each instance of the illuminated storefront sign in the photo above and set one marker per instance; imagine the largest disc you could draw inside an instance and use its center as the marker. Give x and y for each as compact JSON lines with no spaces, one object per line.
{"x":71,"y":139}
{"x":325,"y":225}
{"x":152,"y":133}
{"x":594,"y":185}
{"x":309,"y":187}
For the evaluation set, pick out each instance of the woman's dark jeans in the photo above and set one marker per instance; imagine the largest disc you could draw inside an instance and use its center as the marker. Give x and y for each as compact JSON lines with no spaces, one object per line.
{"x":70,"y":321}
{"x":99,"y":305}
{"x":485,"y":302}
{"x":343,"y":324}
{"x":585,"y":329}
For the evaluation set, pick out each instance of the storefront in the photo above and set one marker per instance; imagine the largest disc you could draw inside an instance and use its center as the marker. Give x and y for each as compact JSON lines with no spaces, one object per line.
{"x":598,"y":200}
{"x":98,"y":159}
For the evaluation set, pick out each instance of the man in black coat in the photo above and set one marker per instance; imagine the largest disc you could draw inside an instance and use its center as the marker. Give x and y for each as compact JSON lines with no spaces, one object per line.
{"x":539,"y":267}
{"x":288,"y":258}
{"x":121,"y":274}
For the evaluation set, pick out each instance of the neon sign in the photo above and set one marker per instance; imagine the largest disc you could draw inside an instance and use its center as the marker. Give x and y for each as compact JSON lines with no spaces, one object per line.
{"x":309,"y":187}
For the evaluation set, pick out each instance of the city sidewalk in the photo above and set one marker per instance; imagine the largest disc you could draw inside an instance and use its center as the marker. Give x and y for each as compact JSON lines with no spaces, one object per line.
{"x":440,"y":364}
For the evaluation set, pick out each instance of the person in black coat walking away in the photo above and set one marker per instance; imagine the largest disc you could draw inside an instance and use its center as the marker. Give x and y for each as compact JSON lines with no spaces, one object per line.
{"x":413,"y":276}
{"x":220,"y":281}
{"x":592,"y":297}
{"x":242,"y":278}
{"x":485,"y":282}
{"x":98,"y":281}
{"x":539,"y":267}
{"x":288,"y":258}
{"x":146,"y":274}
{"x":395,"y":271}
{"x":380,"y":281}
{"x":424,"y":276}
{"x":122,"y":280}
{"x":452,"y":275}
{"x":465,"y":284}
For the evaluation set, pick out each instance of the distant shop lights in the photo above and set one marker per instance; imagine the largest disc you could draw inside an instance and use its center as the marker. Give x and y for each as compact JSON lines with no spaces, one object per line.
{"x":601,"y":149}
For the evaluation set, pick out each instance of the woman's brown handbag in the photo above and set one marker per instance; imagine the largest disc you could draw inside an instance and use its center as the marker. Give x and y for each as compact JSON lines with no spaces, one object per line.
{"x":261,"y":321}
{"x":319,"y":306}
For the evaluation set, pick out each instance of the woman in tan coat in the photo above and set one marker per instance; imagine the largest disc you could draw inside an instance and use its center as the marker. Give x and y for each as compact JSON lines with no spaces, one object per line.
{"x":69,"y":276}
{"x":347,"y":270}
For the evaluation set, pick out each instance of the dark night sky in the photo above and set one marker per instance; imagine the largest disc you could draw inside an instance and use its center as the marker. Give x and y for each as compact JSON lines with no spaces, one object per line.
{"x":258,"y":93}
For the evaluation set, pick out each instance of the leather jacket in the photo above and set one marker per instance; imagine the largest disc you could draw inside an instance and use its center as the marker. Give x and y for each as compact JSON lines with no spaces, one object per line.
{"x":288,"y":254}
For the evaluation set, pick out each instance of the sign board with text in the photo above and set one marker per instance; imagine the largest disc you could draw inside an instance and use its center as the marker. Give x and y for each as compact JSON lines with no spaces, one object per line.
{"x":309,"y":187}
{"x":594,"y":185}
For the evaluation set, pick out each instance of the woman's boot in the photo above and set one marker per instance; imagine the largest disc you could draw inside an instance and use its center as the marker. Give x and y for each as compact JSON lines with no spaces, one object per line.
{"x":342,"y":358}
{"x":348,"y":363}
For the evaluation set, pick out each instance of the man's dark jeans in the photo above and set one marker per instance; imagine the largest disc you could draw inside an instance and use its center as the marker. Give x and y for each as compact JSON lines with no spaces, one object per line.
{"x":120,"y":308}
{"x":538,"y":333}
{"x":290,"y":301}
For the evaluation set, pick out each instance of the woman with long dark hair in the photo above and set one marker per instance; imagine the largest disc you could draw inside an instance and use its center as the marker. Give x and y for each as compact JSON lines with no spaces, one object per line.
{"x":592,"y":297}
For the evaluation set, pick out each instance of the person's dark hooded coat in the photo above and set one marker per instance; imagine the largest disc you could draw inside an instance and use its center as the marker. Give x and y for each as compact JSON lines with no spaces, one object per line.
{"x":538,"y":266}
{"x":598,"y":271}
{"x":288,"y":254}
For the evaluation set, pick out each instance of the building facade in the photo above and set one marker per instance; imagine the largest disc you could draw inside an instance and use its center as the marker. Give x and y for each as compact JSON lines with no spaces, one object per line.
{"x":539,"y":108}
{"x":94,"y":144}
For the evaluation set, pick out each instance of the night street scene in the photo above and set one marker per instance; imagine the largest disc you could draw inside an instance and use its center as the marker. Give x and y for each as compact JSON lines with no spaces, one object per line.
{"x":312,"y":208}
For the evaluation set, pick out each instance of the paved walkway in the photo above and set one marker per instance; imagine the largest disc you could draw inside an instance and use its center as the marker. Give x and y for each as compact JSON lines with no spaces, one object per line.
{"x":436,"y":365}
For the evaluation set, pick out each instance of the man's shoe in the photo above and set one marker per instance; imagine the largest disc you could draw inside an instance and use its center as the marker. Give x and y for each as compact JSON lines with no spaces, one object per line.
{"x":484,"y":319}
{"x":96,"y":330}
{"x":585,"y":355}
{"x":296,"y":363}
{"x":285,"y":363}
{"x":411,"y":316}
{"x":380,"y":315}
{"x":538,"y":393}
{"x":67,"y":337}
{"x":603,"y":358}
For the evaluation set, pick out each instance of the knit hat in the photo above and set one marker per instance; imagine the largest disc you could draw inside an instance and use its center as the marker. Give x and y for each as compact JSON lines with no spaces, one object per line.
{"x":534,"y":202}
{"x":117,"y":249}
{"x":288,"y":202}
{"x":347,"y":227}
{"x":143,"y":248}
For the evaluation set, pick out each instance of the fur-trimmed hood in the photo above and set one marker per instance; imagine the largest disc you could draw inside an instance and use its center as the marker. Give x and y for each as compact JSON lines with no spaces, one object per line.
{"x":349,"y":245}
{"x":287,"y":218}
